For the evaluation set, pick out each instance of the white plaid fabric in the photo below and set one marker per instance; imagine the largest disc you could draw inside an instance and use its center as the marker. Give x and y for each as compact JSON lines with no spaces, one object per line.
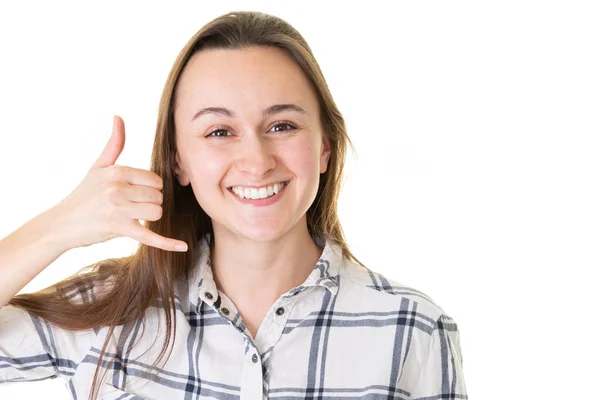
{"x":347,"y":332}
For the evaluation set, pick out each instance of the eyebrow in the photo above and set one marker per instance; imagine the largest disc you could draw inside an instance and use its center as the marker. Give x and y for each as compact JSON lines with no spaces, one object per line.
{"x":274,"y":109}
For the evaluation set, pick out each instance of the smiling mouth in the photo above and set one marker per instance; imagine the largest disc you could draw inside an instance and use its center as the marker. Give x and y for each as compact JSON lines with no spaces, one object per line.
{"x":258,"y":194}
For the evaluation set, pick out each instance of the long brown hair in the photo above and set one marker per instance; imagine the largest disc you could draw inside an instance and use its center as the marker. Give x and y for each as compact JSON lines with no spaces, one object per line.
{"x":137,"y":281}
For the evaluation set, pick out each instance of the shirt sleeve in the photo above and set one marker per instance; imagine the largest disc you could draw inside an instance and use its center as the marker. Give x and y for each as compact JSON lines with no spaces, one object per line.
{"x":32,"y":349}
{"x":441,"y":373}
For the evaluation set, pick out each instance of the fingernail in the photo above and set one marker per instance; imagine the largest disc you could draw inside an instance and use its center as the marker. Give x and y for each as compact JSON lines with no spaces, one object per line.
{"x":181,"y":247}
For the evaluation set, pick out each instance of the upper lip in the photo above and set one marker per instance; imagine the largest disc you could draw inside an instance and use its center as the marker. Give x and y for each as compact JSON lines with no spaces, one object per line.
{"x":258,"y":186}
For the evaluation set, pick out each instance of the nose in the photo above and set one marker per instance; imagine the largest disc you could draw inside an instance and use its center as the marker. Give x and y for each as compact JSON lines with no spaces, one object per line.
{"x":256,"y":156}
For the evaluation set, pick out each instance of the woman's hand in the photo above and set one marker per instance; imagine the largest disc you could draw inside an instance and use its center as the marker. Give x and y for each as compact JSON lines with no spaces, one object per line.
{"x":112,"y":198}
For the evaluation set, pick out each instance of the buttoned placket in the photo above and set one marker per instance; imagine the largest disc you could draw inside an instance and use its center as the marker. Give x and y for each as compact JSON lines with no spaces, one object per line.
{"x":255,"y":368}
{"x":269,"y":332}
{"x":267,"y":336}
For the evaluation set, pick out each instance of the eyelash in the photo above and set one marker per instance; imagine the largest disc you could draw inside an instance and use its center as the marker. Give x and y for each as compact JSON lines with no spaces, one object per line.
{"x":223,"y":129}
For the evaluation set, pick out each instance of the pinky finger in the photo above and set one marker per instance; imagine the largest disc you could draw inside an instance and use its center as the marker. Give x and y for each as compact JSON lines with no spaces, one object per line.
{"x":149,"y":238}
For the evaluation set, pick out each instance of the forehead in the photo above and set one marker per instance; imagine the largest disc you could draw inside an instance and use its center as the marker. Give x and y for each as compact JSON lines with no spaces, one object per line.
{"x":243,"y":78}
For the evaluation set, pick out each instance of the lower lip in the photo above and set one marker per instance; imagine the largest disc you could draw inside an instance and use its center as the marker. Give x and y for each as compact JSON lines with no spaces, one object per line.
{"x":267,"y":201}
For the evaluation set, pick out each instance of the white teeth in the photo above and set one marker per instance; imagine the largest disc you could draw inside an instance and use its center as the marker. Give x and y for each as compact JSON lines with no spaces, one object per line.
{"x":260,"y":193}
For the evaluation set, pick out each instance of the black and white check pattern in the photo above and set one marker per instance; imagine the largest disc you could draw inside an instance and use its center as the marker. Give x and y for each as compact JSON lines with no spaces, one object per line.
{"x":346,"y":333}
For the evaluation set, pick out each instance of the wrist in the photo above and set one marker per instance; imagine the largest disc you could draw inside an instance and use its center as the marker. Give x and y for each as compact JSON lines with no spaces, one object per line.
{"x":49,"y":230}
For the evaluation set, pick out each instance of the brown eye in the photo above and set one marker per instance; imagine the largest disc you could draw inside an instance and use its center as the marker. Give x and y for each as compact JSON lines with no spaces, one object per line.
{"x":218,"y":133}
{"x":289,"y":124}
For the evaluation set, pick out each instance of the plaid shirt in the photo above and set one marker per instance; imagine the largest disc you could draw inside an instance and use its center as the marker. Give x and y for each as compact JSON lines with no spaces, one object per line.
{"x":345,"y":333}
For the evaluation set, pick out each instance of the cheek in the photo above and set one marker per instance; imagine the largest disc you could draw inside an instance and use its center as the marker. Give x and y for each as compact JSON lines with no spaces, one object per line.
{"x":304,"y":158}
{"x":207,"y":168}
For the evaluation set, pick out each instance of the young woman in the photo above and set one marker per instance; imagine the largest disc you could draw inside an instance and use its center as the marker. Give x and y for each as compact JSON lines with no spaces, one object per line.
{"x":267,"y":301}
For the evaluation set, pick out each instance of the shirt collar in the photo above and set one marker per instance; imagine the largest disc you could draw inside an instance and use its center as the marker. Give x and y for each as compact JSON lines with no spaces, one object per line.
{"x":202,"y":287}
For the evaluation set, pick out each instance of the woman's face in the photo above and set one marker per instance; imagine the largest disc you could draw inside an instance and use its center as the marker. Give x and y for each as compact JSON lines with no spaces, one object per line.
{"x":267,"y":132}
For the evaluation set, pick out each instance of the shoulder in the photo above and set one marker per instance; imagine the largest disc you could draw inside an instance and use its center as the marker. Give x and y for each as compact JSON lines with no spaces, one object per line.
{"x":379,"y":291}
{"x":422,"y":336}
{"x":87,"y":288}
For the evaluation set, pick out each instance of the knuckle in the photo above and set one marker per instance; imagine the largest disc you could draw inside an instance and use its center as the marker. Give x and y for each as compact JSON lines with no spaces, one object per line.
{"x":154,"y":212}
{"x":112,"y":171}
{"x":114,"y":193}
{"x":159,"y":182}
{"x":116,"y":172}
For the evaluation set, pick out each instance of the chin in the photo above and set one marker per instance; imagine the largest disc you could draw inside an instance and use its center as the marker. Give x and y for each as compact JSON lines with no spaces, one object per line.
{"x":262,"y":235}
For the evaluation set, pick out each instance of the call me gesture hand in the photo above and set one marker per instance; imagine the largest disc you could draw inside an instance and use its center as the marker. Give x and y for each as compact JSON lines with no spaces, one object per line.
{"x":112,"y":198}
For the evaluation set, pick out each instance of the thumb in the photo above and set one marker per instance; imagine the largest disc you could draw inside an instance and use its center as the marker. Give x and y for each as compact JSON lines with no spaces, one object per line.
{"x":115,"y":145}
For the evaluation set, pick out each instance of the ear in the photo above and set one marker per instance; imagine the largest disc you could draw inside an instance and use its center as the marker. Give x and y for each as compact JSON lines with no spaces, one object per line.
{"x":181,"y":175}
{"x":325,"y":153}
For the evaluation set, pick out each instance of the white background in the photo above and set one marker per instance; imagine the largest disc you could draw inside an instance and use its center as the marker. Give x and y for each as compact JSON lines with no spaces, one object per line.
{"x":476,"y":126}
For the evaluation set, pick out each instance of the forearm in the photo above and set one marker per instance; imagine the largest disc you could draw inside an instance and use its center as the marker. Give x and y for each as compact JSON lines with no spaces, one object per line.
{"x":28,"y":251}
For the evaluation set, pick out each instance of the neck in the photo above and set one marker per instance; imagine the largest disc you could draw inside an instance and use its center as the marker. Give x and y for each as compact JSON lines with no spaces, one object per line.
{"x":251,"y":272}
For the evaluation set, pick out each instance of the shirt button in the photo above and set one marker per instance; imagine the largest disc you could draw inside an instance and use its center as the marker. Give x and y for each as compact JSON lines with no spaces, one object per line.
{"x":225,"y":311}
{"x":208,"y":295}
{"x":280,"y":311}
{"x":254,"y":358}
